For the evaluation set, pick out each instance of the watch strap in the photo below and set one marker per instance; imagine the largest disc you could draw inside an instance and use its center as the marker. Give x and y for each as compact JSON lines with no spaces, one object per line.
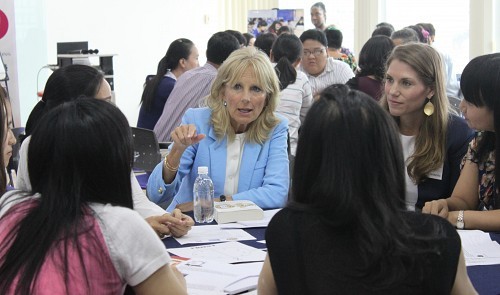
{"x":460,"y":220}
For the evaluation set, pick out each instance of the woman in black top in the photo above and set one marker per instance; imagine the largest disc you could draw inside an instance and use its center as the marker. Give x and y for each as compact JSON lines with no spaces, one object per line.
{"x":345,"y":229}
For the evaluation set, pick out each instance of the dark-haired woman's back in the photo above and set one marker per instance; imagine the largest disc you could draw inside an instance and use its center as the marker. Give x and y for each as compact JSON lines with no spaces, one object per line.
{"x":107,"y":237}
{"x":295,"y":101}
{"x":296,"y":94}
{"x":182,"y":56}
{"x":345,"y":229}
{"x":74,"y":231}
{"x":372,"y":87}
{"x":311,"y":257}
{"x":148,"y":118}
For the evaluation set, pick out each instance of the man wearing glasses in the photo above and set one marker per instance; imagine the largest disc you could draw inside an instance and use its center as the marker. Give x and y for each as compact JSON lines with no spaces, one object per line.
{"x":321,"y":70}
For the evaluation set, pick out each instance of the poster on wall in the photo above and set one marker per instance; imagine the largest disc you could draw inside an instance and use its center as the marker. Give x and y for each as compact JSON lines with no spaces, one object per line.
{"x":264,"y":21}
{"x":8,"y":61}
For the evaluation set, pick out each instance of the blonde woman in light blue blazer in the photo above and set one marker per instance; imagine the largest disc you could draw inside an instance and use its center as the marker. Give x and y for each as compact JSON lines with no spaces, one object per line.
{"x":239,"y":137}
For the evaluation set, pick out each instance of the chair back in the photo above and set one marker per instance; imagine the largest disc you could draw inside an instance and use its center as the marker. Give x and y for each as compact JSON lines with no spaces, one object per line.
{"x":146,"y":149}
{"x":455,"y":105}
{"x":14,"y":160}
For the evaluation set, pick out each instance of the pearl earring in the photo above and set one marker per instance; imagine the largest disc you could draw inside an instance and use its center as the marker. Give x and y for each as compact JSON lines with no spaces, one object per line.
{"x":225,"y":103}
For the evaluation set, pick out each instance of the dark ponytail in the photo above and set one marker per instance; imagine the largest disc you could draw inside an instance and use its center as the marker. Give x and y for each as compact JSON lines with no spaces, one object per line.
{"x":178,"y":49}
{"x":287,"y":49}
{"x":287,"y":74}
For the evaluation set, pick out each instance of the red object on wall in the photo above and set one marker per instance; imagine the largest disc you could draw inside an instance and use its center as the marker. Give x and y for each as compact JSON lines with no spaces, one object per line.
{"x":4,"y":24}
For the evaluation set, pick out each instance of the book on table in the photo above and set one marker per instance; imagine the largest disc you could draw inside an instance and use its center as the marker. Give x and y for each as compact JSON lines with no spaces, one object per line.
{"x":233,"y":211}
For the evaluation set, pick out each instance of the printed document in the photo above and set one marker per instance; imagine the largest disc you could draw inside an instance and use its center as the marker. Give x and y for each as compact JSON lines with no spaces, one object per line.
{"x":478,"y":248}
{"x":213,"y":234}
{"x":230,"y":252}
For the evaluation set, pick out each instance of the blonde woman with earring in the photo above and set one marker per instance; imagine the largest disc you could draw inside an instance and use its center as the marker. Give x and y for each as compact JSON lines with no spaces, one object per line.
{"x":434,"y":140}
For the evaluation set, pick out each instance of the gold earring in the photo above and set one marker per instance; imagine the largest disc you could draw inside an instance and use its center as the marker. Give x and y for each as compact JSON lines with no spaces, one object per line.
{"x":429,"y":108}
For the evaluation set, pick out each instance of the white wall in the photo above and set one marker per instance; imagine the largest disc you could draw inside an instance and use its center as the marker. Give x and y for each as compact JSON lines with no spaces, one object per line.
{"x":138,"y":32}
{"x":31,"y":54}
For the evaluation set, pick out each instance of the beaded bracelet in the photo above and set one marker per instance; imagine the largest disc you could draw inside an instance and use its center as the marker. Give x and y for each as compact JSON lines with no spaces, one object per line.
{"x":170,"y":168}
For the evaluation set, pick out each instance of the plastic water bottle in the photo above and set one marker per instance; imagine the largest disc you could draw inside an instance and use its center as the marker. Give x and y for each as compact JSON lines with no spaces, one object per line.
{"x":203,"y":192}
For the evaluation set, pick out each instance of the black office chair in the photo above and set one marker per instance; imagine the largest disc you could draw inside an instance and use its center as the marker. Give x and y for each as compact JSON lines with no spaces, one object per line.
{"x":14,"y":160}
{"x":146,"y":149}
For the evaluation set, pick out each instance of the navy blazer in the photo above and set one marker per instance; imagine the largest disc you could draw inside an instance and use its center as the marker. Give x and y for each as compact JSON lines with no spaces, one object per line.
{"x":458,"y":137}
{"x":264,"y":175}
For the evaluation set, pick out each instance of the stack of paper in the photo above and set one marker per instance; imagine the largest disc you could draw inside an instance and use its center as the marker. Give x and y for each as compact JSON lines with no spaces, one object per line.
{"x":230,"y":252}
{"x":213,"y":278}
{"x":478,"y":248}
{"x":209,"y":270}
{"x":213,"y":234}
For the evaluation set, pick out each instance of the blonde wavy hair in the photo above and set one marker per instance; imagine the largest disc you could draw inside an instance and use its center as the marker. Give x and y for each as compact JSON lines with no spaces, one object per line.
{"x":230,"y":72}
{"x":430,"y":142}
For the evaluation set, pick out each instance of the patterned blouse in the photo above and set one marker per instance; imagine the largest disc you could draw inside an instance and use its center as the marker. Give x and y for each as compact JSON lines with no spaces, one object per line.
{"x":348,"y":57}
{"x":488,"y":197}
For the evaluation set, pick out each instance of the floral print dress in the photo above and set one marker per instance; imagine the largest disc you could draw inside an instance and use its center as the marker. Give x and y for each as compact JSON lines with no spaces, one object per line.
{"x":488,"y":196}
{"x":348,"y":57}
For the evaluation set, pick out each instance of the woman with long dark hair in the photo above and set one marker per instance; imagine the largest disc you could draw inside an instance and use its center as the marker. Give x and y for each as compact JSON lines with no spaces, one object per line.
{"x":475,"y":201}
{"x":75,"y":231}
{"x":371,"y":68}
{"x":67,"y":84}
{"x":345,"y":229}
{"x":181,"y":56}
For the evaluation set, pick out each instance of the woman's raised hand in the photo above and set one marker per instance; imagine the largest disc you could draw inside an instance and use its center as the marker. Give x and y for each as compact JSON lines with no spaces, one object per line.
{"x":186,"y":135}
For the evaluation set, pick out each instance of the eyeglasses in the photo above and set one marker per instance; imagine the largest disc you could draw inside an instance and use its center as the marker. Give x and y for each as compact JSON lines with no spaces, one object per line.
{"x":316,"y":52}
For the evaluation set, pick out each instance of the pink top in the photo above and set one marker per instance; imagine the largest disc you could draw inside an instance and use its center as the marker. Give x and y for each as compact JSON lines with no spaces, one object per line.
{"x":118,"y":247}
{"x":97,"y":265}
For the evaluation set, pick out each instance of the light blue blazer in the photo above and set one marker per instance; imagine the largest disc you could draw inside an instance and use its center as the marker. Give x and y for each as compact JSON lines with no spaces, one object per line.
{"x":264,"y":175}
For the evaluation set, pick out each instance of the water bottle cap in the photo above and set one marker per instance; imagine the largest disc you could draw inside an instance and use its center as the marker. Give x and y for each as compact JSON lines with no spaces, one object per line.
{"x":203,"y":170}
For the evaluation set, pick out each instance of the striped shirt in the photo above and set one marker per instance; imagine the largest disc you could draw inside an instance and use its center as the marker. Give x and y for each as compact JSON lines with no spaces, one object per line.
{"x":295,"y":101}
{"x":336,"y":72}
{"x":190,"y":89}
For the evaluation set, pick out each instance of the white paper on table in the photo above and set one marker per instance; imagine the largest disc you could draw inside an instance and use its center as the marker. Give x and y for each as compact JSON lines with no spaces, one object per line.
{"x":230,"y":252}
{"x":252,"y":270}
{"x":264,"y":222}
{"x":213,"y":234}
{"x":478,"y":248}
{"x":209,"y":277}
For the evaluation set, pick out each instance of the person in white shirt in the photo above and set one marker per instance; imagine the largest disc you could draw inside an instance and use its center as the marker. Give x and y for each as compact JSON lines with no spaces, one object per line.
{"x":320,"y":69}
{"x":296,"y":95}
{"x":75,"y":230}
{"x":66,"y":84}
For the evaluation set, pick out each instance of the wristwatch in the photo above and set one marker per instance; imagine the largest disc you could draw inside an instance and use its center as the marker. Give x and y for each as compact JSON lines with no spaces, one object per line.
{"x":460,"y":220}
{"x":222,"y":198}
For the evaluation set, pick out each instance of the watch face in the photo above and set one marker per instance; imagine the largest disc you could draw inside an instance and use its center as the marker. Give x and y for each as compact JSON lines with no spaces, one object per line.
{"x":460,"y":224}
